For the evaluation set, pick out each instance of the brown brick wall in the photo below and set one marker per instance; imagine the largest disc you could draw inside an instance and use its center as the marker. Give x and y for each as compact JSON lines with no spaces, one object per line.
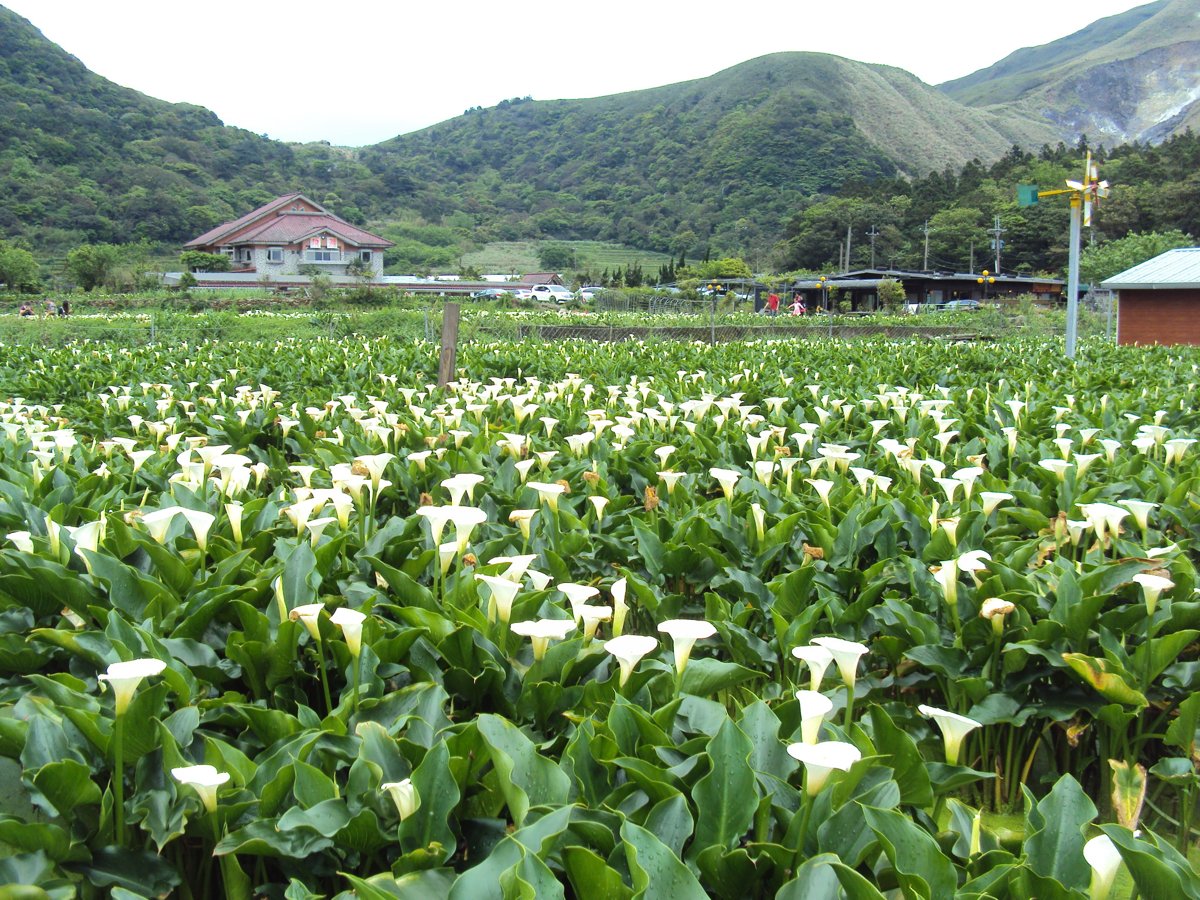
{"x":1159,"y":317}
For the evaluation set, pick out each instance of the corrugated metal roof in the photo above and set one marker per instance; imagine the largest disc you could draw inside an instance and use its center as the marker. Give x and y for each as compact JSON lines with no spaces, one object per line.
{"x":1173,"y":269}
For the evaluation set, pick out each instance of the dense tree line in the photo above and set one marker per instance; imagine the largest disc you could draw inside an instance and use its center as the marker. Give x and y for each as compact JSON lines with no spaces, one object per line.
{"x":1154,"y":189}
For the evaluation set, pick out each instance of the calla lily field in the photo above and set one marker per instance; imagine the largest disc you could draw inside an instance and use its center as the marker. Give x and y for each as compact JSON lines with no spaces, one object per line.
{"x":614,"y":620}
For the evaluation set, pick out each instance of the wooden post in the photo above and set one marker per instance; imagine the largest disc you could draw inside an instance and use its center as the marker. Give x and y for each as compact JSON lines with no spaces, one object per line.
{"x":449,"y":356}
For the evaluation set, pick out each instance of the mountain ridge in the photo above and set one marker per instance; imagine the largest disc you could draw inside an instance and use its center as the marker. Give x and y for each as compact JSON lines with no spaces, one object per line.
{"x":712,"y":163}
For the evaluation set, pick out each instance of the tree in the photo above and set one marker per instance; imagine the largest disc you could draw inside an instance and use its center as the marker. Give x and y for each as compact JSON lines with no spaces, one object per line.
{"x":730,"y":267}
{"x":18,"y":269}
{"x":1105,"y":260}
{"x":93,"y":265}
{"x":556,"y":257}
{"x":198,"y":261}
{"x":951,"y":234}
{"x":890,"y":293}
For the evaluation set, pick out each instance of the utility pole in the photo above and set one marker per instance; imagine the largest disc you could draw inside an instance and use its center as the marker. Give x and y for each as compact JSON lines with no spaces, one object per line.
{"x":972,"y":270}
{"x":847,"y":269}
{"x":997,"y":243}
{"x":872,"y":234}
{"x":841,"y":256}
{"x":925,"y":268}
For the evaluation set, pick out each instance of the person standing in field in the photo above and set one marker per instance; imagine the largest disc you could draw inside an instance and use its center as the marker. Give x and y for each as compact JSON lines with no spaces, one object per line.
{"x":772,"y":304}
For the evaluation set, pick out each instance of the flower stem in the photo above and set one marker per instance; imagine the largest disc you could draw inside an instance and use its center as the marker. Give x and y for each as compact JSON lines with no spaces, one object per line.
{"x":118,"y":739}
{"x":849,"y":708}
{"x":804,"y":820}
{"x":356,"y":662}
{"x":324,"y":677}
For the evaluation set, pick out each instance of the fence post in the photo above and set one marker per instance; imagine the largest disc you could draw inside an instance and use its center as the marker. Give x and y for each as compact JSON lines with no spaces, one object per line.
{"x":449,"y":354}
{"x":153,"y":329}
{"x":1109,"y":321}
{"x":712,"y":322}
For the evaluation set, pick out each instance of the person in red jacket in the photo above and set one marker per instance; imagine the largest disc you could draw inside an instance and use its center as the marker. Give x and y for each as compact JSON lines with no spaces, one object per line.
{"x":772,"y":304}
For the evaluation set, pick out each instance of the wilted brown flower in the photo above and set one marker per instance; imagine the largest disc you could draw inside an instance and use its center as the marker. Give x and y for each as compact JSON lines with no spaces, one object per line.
{"x":814,"y":552}
{"x":650,"y":501}
{"x":566,"y":485}
{"x":591,"y":477}
{"x":359,"y":469}
{"x":469,"y":559}
{"x":425,"y":499}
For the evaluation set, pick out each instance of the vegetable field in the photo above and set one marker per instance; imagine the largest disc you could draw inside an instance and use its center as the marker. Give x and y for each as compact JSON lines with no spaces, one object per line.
{"x":759,"y":619}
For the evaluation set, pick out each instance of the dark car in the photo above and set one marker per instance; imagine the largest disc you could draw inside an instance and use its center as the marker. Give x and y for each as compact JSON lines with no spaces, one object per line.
{"x":490,"y":294}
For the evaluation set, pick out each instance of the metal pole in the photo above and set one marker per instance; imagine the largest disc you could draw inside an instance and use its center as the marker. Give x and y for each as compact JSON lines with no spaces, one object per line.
{"x":712,"y":322}
{"x":1112,"y":299}
{"x":1073,"y":276}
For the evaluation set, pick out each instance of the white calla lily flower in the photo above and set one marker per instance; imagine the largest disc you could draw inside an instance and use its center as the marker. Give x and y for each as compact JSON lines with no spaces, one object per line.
{"x":821,"y":759}
{"x":204,"y":780}
{"x":628,"y":649}
{"x":954,"y":729}
{"x":124,"y":677}
{"x":684,"y":633}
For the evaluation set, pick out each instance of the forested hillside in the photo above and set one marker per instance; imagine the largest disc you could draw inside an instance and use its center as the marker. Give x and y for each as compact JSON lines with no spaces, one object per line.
{"x":1155,"y":188}
{"x":83,"y":159}
{"x":772,"y":159}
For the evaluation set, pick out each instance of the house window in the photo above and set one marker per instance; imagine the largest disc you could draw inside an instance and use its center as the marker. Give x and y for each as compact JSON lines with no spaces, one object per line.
{"x":364,"y":255}
{"x":322,"y":256}
{"x":275,"y":254}
{"x":247,"y":254}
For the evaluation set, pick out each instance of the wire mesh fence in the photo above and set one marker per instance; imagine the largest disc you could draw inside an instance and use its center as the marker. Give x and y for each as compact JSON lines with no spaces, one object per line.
{"x":660,"y":319}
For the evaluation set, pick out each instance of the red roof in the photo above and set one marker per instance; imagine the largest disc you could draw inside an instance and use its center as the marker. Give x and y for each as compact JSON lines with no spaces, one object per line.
{"x":275,"y":223}
{"x":288,"y":228}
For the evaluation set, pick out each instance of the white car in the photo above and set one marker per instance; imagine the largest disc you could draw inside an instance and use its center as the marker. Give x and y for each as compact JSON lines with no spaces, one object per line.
{"x":587,"y":293}
{"x":555,"y":293}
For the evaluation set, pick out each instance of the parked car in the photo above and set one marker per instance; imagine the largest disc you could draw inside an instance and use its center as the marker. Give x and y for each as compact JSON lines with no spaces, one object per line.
{"x":490,"y":294}
{"x":555,"y":293}
{"x":521,"y":293}
{"x":587,"y":293}
{"x":960,"y":304}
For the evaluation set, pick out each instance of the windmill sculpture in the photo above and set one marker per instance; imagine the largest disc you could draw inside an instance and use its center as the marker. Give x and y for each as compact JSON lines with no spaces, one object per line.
{"x":1085,"y":195}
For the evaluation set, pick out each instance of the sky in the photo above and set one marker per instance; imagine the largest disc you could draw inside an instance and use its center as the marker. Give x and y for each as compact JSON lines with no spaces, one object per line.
{"x":359,"y":73}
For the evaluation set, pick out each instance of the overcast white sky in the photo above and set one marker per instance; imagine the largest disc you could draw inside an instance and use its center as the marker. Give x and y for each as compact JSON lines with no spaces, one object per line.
{"x":357,"y":73}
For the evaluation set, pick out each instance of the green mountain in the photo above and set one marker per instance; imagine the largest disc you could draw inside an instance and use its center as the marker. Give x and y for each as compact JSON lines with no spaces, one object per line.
{"x":1128,"y":77}
{"x":712,"y":163}
{"x":716,"y":165}
{"x":83,"y":159}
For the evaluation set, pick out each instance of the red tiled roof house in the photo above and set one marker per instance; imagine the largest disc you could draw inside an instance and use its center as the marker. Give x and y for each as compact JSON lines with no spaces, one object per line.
{"x":290,"y":234}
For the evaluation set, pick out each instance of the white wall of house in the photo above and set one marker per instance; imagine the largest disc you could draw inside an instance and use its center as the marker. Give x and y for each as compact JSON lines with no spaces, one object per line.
{"x":294,"y":260}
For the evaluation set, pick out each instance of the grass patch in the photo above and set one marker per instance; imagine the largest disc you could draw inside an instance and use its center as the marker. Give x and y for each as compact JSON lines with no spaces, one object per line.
{"x":519,"y":257}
